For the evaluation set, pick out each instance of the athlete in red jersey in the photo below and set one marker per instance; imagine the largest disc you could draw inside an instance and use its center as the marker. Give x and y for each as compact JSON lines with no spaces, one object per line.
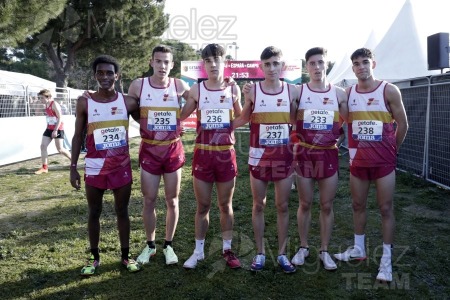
{"x":270,"y":107}
{"x":374,"y":141}
{"x":214,"y":157}
{"x":161,"y":155}
{"x":54,"y":130}
{"x":316,"y":157}
{"x":105,"y":113}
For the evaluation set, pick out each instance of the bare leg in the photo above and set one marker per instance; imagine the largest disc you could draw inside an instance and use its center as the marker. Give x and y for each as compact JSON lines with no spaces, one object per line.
{"x":259,"y":189}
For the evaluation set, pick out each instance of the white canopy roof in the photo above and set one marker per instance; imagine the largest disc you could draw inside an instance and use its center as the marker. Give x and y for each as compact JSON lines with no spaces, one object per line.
{"x":399,"y":55}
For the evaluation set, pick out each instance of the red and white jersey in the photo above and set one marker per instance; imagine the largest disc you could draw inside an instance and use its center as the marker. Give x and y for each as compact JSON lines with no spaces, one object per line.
{"x":215,"y":111}
{"x":318,"y":117}
{"x":371,"y":132}
{"x":107,"y":136}
{"x":270,"y":127}
{"x":159,"y":112}
{"x":52,"y":118}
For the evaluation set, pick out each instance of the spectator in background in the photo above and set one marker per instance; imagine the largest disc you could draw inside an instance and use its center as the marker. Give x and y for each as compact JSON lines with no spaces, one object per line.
{"x":54,"y":130}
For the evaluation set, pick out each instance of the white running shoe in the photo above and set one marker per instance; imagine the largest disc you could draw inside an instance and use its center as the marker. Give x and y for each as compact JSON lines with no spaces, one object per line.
{"x":385,"y":272}
{"x":352,"y":253}
{"x":171,"y":257}
{"x":192,"y":261}
{"x":299,"y":257}
{"x":327,"y":261}
{"x":144,"y":257}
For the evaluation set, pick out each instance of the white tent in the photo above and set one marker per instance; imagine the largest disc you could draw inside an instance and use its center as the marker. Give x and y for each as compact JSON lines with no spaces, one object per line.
{"x":399,"y":55}
{"x":25,"y":80}
{"x":340,"y":68}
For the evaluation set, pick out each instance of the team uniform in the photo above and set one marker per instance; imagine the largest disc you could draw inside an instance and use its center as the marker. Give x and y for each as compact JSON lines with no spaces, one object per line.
{"x":214,"y":154}
{"x":318,"y":129}
{"x":52,"y":120}
{"x":270,"y":155}
{"x":161,"y":147}
{"x":108,"y":163}
{"x":371,"y":134}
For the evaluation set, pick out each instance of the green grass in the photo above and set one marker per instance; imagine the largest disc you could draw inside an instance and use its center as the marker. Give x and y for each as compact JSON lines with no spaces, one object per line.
{"x":43,"y":243}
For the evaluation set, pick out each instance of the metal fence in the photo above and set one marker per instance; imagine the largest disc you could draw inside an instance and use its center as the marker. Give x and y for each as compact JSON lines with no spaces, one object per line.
{"x":425,"y":151}
{"x":22,"y":101}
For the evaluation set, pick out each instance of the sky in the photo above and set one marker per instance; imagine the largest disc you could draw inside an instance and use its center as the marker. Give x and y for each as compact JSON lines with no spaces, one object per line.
{"x":341,"y":26}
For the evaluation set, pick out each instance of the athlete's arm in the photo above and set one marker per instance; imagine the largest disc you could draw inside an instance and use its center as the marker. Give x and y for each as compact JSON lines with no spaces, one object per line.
{"x":132,"y":107}
{"x":57,"y":110}
{"x":182,"y":88}
{"x":244,"y":117}
{"x":191,"y":103}
{"x":134,"y":91}
{"x":394,"y":99}
{"x":80,"y":123}
{"x":294,"y":95}
{"x":343,"y":103}
{"x":237,"y":101}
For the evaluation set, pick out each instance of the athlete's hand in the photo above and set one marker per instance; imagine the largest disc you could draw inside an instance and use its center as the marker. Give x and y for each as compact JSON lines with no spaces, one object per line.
{"x":87,"y":94}
{"x":230,"y":81}
{"x":247,"y":87}
{"x":75,"y":178}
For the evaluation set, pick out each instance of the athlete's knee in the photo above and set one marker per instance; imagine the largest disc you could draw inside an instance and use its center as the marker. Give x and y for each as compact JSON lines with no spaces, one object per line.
{"x":305,"y":206}
{"x":282,"y":207}
{"x":203,"y":207}
{"x":95,"y":213}
{"x":121,"y":209}
{"x":386,"y":210}
{"x":326,"y":207}
{"x":150,"y":201}
{"x":258,"y":207}
{"x":226,"y":208}
{"x":358,"y":206}
{"x":172,"y":203}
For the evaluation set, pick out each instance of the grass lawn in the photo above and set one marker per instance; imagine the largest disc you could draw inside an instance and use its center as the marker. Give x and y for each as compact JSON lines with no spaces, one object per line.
{"x":43,"y":242}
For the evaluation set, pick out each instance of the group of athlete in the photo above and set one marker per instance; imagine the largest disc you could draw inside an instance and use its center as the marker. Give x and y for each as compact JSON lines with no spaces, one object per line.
{"x":314,"y":111}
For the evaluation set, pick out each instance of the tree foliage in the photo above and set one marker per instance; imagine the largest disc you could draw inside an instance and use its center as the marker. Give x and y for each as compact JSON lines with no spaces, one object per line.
{"x":124,"y":29}
{"x":24,"y":60}
{"x":22,"y":18}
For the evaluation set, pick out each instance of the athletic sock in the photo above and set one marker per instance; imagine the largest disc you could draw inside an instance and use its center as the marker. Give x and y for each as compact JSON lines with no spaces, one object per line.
{"x":199,"y":246}
{"x":96,"y":253}
{"x":167,"y":243}
{"x":151,"y":244}
{"x":387,"y":253}
{"x":125,"y":252}
{"x":226,"y":245}
{"x":359,"y":241}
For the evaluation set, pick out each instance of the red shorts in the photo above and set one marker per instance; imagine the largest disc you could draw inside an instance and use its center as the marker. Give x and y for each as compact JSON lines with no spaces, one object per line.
{"x":371,"y":173}
{"x":211,"y":166}
{"x":316,"y":163}
{"x":111,"y":181}
{"x":161,"y":159}
{"x":273,"y":173}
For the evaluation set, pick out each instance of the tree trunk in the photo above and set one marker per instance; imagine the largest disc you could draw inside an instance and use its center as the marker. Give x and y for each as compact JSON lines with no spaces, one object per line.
{"x":61,"y":79}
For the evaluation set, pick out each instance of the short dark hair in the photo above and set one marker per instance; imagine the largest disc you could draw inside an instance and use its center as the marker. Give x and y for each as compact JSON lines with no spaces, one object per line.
{"x":315,"y":51}
{"x":105,"y":59}
{"x":163,"y":49}
{"x":270,"y":52}
{"x":362,"y":52}
{"x":214,"y":50}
